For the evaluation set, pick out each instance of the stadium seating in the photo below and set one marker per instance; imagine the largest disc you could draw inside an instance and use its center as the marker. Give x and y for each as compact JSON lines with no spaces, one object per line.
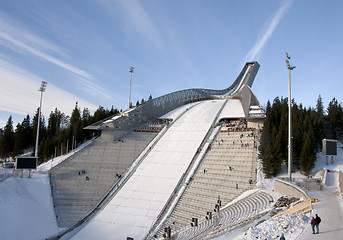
{"x":82,"y":181}
{"x":230,"y":217}
{"x":227,"y":170}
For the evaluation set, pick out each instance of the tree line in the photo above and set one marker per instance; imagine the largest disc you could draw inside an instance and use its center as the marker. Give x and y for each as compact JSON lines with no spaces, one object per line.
{"x":309,"y":127}
{"x":61,"y":133}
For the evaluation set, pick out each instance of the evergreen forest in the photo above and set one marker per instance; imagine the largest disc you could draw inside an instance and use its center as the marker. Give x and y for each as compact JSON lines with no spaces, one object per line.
{"x":58,"y":136}
{"x":309,"y":127}
{"x":62,"y":133}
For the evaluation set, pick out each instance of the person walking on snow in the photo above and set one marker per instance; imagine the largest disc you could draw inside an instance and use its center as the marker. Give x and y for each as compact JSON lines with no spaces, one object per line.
{"x":282,"y":237}
{"x":313,"y":224}
{"x":318,"y":220}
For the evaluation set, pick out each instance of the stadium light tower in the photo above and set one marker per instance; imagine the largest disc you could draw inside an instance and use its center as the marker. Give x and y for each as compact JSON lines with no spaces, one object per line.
{"x":289,"y":118}
{"x":41,"y":89}
{"x":131,"y":71}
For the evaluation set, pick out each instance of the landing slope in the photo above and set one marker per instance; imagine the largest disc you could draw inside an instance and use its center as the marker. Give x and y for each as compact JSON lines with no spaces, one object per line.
{"x":137,"y":205}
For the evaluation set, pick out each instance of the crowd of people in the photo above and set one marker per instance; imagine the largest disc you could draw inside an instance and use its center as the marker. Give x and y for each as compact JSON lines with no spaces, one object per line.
{"x":236,"y":125}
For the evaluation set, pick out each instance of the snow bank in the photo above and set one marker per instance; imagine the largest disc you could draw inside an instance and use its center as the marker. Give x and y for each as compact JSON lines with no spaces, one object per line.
{"x":289,"y":225}
{"x":26,"y":208}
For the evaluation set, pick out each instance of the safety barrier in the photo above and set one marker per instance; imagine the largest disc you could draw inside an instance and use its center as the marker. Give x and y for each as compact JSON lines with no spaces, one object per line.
{"x":288,"y":188}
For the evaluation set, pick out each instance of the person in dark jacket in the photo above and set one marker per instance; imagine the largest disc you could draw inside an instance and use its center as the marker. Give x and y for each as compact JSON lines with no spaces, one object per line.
{"x":282,"y":237}
{"x":318,"y":220}
{"x":313,"y":224}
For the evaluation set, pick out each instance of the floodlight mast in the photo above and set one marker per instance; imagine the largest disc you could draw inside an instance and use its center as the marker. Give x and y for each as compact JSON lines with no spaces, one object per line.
{"x":41,"y":89}
{"x":289,"y":118}
{"x":131,"y":71}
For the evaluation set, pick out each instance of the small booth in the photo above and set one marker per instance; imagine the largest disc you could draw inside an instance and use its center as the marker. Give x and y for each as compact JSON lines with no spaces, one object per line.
{"x":329,"y":149}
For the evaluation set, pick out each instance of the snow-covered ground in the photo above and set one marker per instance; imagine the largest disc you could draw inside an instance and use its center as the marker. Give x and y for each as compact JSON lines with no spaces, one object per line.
{"x":27,"y":211}
{"x":26,"y":208}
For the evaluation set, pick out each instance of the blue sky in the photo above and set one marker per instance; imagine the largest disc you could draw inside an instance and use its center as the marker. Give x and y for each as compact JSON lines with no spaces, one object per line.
{"x":84,"y":50}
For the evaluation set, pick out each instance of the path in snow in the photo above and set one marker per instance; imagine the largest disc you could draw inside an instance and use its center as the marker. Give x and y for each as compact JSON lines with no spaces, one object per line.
{"x":330,"y":211}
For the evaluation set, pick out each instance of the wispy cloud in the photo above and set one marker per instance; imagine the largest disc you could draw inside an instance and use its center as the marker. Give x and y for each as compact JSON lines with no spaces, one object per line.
{"x":135,"y":20}
{"x":267,"y":31}
{"x":19,"y":93}
{"x":140,"y":20}
{"x":20,"y":40}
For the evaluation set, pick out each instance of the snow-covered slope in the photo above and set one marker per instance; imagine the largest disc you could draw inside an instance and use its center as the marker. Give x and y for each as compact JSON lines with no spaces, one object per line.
{"x":26,"y":208}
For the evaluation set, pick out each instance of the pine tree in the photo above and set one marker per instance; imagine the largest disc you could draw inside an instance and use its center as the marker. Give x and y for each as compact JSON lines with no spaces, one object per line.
{"x":7,"y":140}
{"x":99,"y":114}
{"x":283,"y":129}
{"x":308,"y":153}
{"x":277,"y":154}
{"x":267,"y":162}
{"x":319,"y":106}
{"x":272,"y":159}
{"x":47,"y":150}
{"x":19,"y":140}
{"x":52,"y":125}
{"x":297,"y":134}
{"x":86,"y":116}
{"x":271,"y":141}
{"x":75,"y":122}
{"x":55,"y":123}
{"x":335,"y":114}
{"x":266,"y":138}
{"x":27,"y":132}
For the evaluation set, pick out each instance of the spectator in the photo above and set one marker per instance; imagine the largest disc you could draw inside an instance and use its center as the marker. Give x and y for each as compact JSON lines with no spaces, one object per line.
{"x":282,"y":237}
{"x":313,"y":224}
{"x":318,"y":220}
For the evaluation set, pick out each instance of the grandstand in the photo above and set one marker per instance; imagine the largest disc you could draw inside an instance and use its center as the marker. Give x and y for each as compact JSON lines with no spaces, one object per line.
{"x":227,"y":170}
{"x":160,"y":170}
{"x":81,"y":182}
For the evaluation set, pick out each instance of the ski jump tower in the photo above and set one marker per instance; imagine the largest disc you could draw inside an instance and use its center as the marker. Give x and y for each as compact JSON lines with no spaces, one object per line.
{"x":115,"y":127}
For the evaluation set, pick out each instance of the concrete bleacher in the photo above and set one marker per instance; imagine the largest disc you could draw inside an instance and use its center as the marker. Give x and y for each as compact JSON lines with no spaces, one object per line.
{"x":228,"y":218}
{"x":81,"y":182}
{"x":227,"y":170}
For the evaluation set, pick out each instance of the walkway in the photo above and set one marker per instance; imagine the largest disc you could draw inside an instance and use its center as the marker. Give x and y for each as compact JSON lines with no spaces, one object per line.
{"x":330,"y":211}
